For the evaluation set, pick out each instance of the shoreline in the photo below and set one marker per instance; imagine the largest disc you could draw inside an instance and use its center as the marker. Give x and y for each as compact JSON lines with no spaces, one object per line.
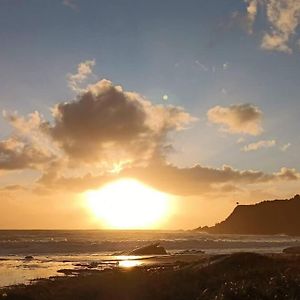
{"x":245,"y":275}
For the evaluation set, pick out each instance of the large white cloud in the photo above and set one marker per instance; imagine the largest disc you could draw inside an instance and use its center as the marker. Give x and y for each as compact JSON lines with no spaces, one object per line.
{"x":104,"y":125}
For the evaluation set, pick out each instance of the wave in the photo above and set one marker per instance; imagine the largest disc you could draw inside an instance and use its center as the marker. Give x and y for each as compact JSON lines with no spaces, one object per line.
{"x":41,"y":242}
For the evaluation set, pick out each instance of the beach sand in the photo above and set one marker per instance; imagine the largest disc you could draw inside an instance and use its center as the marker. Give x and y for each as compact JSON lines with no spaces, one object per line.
{"x":234,"y":276}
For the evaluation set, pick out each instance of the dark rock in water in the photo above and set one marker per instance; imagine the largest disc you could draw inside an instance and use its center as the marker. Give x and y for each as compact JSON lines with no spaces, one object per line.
{"x":153,"y":249}
{"x":292,"y":250}
{"x":93,"y":264}
{"x":28,"y":257}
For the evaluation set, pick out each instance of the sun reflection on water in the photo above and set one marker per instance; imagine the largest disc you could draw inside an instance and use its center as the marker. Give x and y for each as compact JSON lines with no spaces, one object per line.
{"x":129,"y":263}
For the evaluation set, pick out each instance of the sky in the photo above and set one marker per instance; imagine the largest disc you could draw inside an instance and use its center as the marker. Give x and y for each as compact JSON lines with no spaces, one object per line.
{"x":195,"y":99}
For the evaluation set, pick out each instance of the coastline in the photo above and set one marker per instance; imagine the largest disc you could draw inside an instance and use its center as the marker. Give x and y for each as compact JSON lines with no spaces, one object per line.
{"x":234,"y":276}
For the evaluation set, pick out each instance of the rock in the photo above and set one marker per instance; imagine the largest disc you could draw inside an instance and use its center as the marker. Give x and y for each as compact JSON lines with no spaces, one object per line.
{"x":28,"y":257}
{"x":153,"y":249}
{"x":292,"y":250}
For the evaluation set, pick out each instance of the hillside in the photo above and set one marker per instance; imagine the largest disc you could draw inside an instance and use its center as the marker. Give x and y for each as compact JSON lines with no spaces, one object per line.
{"x":268,"y":217}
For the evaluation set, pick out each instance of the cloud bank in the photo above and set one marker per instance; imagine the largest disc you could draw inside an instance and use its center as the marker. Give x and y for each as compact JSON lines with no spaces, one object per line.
{"x":107,"y":133}
{"x":197,"y":180}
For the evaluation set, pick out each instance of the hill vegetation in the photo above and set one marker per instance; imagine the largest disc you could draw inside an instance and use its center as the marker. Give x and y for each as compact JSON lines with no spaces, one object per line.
{"x":268,"y":217}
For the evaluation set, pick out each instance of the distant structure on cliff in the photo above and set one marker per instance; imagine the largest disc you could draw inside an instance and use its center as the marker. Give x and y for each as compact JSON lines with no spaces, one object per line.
{"x":268,"y":217}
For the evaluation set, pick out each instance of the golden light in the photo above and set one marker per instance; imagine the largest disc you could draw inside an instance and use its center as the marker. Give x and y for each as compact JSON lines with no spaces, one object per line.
{"x":129,"y":263}
{"x":129,"y":204}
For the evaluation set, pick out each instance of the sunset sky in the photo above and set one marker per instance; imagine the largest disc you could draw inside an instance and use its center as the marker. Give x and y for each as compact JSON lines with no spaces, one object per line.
{"x":192,"y":102}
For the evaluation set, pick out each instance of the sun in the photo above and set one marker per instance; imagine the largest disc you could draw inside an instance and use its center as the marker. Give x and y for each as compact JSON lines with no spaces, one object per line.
{"x":129,"y":204}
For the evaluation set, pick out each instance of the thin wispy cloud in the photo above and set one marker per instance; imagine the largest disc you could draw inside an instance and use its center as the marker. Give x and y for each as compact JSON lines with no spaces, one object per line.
{"x":202,"y":66}
{"x":285,"y":147}
{"x":71,"y":4}
{"x":225,"y":66}
{"x":259,"y":145}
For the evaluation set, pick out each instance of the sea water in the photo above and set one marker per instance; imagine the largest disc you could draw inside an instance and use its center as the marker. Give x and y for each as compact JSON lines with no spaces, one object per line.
{"x":48,"y":251}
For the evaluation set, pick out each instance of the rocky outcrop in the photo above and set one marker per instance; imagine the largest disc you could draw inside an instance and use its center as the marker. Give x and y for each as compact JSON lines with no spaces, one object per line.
{"x":153,"y":249}
{"x":268,"y":217}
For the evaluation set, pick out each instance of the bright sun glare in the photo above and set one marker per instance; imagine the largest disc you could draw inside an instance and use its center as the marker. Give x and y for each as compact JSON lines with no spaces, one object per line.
{"x":129,"y":204}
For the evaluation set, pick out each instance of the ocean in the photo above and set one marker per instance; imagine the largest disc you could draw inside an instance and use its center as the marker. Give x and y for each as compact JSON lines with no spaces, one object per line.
{"x":48,"y":251}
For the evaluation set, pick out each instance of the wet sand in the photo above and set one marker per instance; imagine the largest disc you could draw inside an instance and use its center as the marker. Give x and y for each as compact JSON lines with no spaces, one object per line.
{"x":18,"y":270}
{"x":235,"y":276}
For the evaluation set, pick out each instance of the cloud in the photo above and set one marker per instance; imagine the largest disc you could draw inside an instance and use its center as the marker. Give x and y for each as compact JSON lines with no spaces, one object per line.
{"x":27,"y":147}
{"x":197,"y":180}
{"x":84,"y":69}
{"x":104,"y":127}
{"x":283,"y":17}
{"x":202,"y":66}
{"x":107,"y":123}
{"x":225,"y":66}
{"x":15,"y":154}
{"x":14,"y":187}
{"x":285,"y":147}
{"x":237,"y":119}
{"x":276,"y":41}
{"x":288,"y":174}
{"x":251,"y":14}
{"x":259,"y":145}
{"x":70,"y":4}
{"x":240,"y":140}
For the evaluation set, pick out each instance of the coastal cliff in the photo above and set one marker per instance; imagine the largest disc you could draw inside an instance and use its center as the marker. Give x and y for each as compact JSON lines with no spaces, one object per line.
{"x":268,"y":217}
